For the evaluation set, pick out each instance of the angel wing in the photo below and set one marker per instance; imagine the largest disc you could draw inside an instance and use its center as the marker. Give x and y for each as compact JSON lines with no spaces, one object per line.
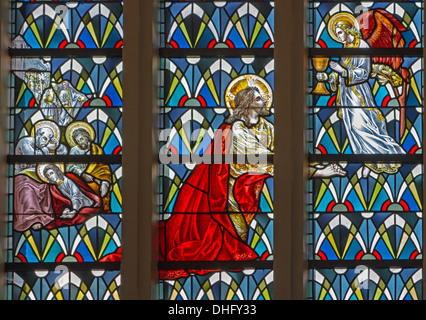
{"x":380,"y":29}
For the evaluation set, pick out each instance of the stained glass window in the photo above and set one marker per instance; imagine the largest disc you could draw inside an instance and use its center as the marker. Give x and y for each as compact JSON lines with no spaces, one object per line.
{"x":215,"y":192}
{"x":365,"y":128}
{"x":65,"y":146}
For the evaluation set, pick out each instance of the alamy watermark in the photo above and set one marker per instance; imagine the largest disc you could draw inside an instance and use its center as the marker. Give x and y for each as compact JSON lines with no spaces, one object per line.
{"x":225,"y":147}
{"x":63,"y":16}
{"x":363,"y":277}
{"x":62,"y":280}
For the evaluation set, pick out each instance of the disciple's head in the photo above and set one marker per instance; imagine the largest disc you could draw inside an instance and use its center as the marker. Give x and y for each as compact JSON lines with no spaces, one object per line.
{"x":53,"y":174}
{"x":82,"y":138}
{"x":43,"y":137}
{"x":249,"y":104}
{"x":64,"y":97}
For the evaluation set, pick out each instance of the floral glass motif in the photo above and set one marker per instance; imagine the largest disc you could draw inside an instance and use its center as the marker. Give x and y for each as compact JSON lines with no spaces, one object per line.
{"x":215,"y":217}
{"x":202,"y":82}
{"x":63,"y":285}
{"x":211,"y":25}
{"x":377,"y":284}
{"x":365,"y":127}
{"x":246,"y":285}
{"x":69,"y":25}
{"x":65,"y":146}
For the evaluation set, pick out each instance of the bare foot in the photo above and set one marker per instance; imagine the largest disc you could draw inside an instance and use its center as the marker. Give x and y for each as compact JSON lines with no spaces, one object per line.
{"x":331,"y":170}
{"x":37,"y":226}
{"x":365,"y":172}
{"x":68,"y":214}
{"x":104,"y":189}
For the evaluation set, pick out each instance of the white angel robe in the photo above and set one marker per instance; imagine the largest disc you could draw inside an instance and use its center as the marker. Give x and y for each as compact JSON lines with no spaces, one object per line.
{"x":365,"y":125}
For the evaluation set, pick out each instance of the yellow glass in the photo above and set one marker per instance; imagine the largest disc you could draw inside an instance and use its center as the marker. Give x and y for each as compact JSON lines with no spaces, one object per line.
{"x":320,"y":64}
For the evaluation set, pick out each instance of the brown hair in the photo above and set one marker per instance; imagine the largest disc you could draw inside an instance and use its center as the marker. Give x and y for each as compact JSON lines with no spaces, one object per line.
{"x":54,"y":168}
{"x":348,"y":28}
{"x":82,"y":131}
{"x":242,"y":101}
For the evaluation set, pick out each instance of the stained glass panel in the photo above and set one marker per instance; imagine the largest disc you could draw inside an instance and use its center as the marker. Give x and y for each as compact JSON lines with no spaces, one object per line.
{"x":385,"y":83}
{"x":95,"y":81}
{"x":104,"y":124}
{"x":197,"y":81}
{"x":242,"y":285}
{"x":218,"y":24}
{"x":329,"y":135}
{"x":364,"y":283}
{"x":365,"y":128}
{"x":65,"y":146}
{"x":387,"y":185}
{"x":63,"y":284}
{"x":367,"y":235}
{"x":406,"y":19}
{"x":94,"y":239}
{"x":215,"y":205}
{"x":69,"y":25}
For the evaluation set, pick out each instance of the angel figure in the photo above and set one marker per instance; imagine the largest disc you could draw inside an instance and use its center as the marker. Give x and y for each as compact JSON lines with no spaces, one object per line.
{"x":364,"y":123}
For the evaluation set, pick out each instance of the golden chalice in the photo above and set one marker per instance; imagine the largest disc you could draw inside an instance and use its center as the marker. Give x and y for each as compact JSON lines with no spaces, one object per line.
{"x":320,"y":64}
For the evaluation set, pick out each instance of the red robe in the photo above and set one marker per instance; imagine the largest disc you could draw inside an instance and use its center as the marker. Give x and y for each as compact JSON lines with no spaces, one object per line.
{"x":200,"y":228}
{"x":60,"y":203}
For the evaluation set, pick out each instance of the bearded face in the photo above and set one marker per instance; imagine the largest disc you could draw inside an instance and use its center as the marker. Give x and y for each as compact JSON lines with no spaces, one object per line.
{"x":82,"y":141}
{"x":52,"y":176}
{"x":249,"y":103}
{"x":259,"y":104}
{"x":43,"y":137}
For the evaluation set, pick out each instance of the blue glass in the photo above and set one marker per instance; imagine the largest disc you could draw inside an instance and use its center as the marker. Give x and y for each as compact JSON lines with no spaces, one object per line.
{"x":408,"y":13}
{"x":211,"y":25}
{"x":367,"y":236}
{"x":69,"y":25}
{"x":401,"y":191}
{"x":365,"y":284}
{"x":243,"y":285}
{"x":203,"y":81}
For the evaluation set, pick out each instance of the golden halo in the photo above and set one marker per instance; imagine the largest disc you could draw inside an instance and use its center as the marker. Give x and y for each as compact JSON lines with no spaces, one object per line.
{"x":46,"y":124}
{"x":76,"y":125}
{"x":338,"y":17}
{"x":41,"y":166}
{"x":244,"y":81}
